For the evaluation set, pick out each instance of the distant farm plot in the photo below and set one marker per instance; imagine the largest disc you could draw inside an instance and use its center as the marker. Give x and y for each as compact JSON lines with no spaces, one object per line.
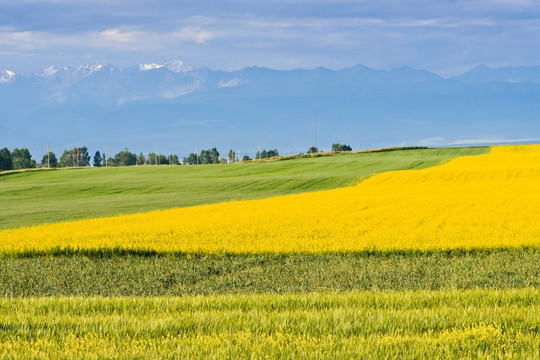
{"x":37,"y":197}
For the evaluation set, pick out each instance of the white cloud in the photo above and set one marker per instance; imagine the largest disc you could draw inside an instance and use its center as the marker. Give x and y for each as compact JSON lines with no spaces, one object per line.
{"x":194,"y":33}
{"x":433,"y":141}
{"x":446,"y":37}
{"x":480,"y":140}
{"x":491,"y":140}
{"x":127,"y":39}
{"x":513,"y":3}
{"x":116,"y":35}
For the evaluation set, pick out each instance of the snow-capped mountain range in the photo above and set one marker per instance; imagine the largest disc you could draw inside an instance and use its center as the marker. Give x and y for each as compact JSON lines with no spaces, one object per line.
{"x":184,"y":107}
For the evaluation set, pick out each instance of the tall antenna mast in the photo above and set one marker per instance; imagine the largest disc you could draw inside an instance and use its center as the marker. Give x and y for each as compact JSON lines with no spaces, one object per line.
{"x":48,"y":156}
{"x":316,"y":147}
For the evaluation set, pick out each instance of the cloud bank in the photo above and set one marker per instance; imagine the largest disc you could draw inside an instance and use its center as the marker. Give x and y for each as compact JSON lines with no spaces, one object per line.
{"x":447,"y":37}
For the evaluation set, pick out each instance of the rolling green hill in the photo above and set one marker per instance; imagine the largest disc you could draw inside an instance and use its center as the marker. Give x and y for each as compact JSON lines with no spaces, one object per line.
{"x":36,"y":197}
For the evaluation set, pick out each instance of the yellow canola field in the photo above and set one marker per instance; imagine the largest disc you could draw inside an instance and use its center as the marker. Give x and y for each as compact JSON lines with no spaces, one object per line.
{"x":485,"y":201}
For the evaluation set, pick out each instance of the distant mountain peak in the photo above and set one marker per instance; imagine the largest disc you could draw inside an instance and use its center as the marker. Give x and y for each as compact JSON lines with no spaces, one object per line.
{"x":50,"y":71}
{"x":89,"y":69}
{"x":145,"y":67}
{"x":176,"y":66}
{"x":481,"y":67}
{"x":6,"y":75}
{"x":506,"y":74}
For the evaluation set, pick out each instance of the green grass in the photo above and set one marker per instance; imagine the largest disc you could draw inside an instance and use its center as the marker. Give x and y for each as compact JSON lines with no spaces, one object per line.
{"x":179,"y":275}
{"x":36,"y":197}
{"x":486,"y":324}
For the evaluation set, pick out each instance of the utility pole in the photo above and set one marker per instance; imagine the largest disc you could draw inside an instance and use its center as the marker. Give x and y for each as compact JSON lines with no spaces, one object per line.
{"x":259,"y":153}
{"x":197,"y":154}
{"x":48,"y":156}
{"x":106,"y":154}
{"x":155,"y":153}
{"x":238,"y":153}
{"x":289,"y":149}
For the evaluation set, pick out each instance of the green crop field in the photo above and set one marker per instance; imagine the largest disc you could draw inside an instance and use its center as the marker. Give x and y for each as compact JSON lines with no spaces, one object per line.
{"x":35,"y":197}
{"x":155,"y":275}
{"x":462,"y":304}
{"x":470,"y":324}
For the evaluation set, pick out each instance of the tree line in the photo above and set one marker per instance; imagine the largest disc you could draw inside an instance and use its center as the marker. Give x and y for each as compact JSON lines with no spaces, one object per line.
{"x":79,"y":157}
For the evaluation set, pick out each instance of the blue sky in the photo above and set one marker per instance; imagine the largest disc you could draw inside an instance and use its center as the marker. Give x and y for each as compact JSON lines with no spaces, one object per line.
{"x":446,"y":37}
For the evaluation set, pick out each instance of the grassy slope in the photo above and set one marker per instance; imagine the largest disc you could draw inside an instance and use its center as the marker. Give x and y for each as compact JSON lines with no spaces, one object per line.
{"x":36,"y":197}
{"x":489,"y":324}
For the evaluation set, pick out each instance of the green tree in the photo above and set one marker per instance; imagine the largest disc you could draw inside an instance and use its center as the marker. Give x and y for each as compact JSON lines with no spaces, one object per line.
{"x":97,"y":159}
{"x":141,"y":160}
{"x":66,"y":160}
{"x":152,"y":159}
{"x":262,"y":154}
{"x":173,"y":159}
{"x":215,"y":156}
{"x":205,"y":157}
{"x":83,"y":157}
{"x":231,"y":155}
{"x":75,"y":157}
{"x":192,"y":159}
{"x":163,"y":160}
{"x":50,"y":160}
{"x":246,"y":158}
{"x":21,"y":159}
{"x":266,"y":154}
{"x":5,"y":160}
{"x":125,"y":158}
{"x":340,"y":147}
{"x":312,"y":150}
{"x":210,"y":156}
{"x":272,"y":153}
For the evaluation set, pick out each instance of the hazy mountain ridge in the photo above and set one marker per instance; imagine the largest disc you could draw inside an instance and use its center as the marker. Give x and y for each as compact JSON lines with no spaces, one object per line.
{"x":175,"y":79}
{"x":507,"y":74}
{"x":182,"y":107}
